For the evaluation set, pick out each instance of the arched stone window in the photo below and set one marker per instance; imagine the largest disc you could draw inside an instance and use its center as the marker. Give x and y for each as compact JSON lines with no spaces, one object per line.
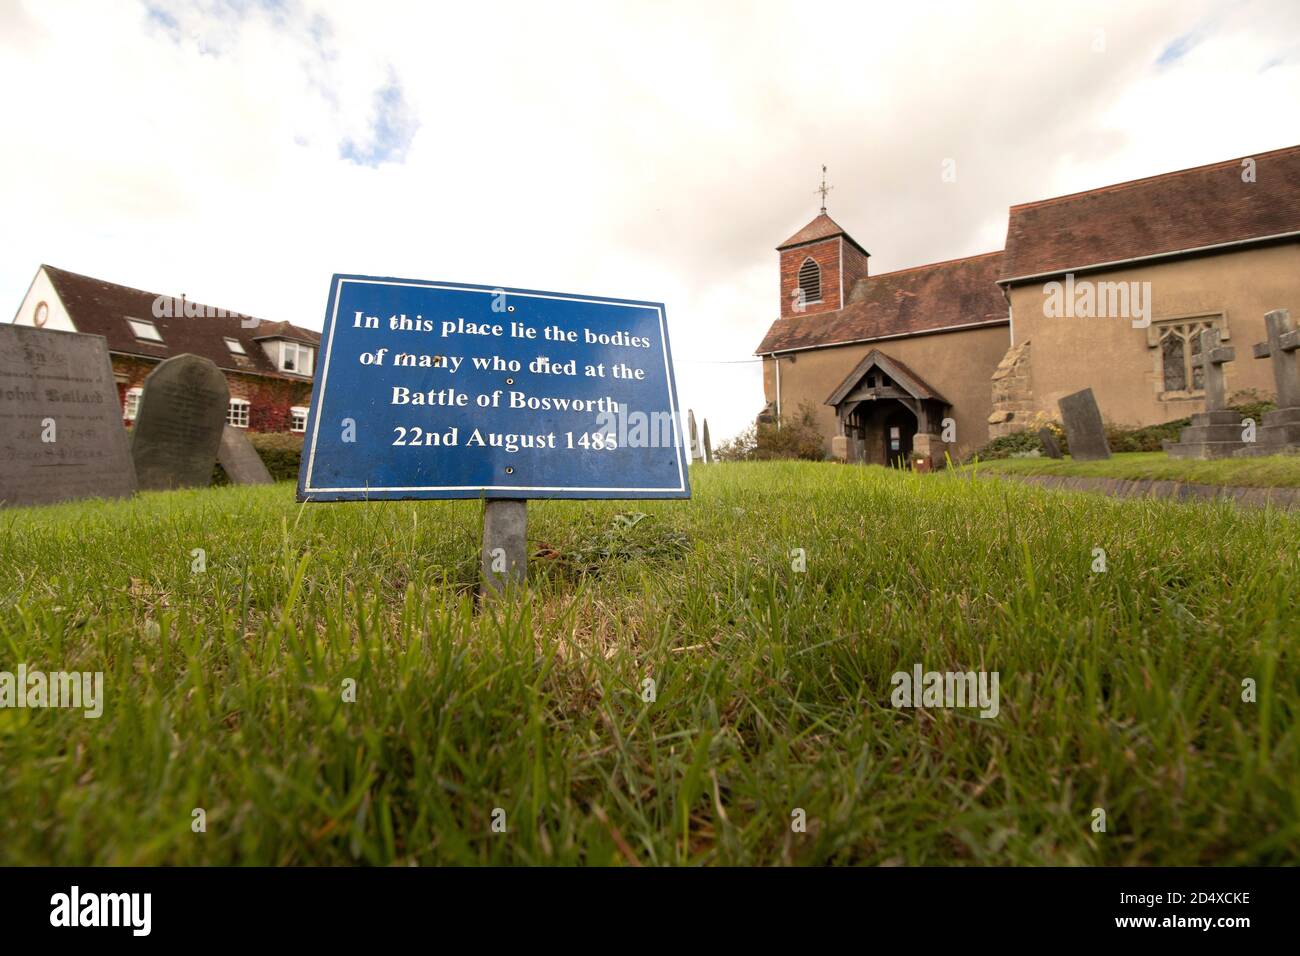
{"x":810,"y":281}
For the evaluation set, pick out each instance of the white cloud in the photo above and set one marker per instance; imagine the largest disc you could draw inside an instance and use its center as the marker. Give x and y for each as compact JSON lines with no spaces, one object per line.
{"x":648,"y":151}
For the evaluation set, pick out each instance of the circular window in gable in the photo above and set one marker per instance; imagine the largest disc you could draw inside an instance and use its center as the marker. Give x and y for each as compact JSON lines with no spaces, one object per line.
{"x":41,"y":315}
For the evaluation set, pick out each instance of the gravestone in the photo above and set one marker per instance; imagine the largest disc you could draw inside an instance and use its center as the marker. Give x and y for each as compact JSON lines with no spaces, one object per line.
{"x":1279,"y":432}
{"x":240,"y":460}
{"x":1051,"y":447}
{"x":696,"y":454}
{"x":1216,"y":432}
{"x":178,"y":426}
{"x":61,"y":433}
{"x":1083,"y":427}
{"x":708,"y":444}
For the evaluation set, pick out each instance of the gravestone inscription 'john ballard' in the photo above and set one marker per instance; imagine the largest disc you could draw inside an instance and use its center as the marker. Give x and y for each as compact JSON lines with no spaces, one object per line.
{"x":61,"y":434}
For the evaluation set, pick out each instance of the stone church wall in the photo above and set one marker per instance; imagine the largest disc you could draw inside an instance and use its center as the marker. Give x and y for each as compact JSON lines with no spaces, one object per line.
{"x":958,"y":365}
{"x":1122,"y":364}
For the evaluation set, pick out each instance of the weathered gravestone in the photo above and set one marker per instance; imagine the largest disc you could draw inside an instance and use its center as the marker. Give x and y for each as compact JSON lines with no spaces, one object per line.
{"x":61,"y":434}
{"x":240,"y":460}
{"x":1051,"y":447}
{"x":708,"y":444}
{"x":696,"y":454}
{"x":1279,"y":432}
{"x":1215,"y":432}
{"x":178,"y":427}
{"x":1083,"y":427}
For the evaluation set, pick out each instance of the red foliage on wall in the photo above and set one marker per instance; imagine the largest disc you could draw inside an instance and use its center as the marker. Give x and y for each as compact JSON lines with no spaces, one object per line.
{"x":270,"y":399}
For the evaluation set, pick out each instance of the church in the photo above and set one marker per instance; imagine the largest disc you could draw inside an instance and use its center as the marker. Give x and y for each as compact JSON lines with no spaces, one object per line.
{"x":1106,"y":289}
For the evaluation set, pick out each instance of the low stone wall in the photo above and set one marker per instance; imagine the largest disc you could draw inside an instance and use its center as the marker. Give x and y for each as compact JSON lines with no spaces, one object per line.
{"x":1283,"y":498}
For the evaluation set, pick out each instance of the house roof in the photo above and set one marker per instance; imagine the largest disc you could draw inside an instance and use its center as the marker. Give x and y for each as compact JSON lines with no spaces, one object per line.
{"x":102,"y":308}
{"x":823,"y":227}
{"x":929,"y":298}
{"x":1165,"y":214}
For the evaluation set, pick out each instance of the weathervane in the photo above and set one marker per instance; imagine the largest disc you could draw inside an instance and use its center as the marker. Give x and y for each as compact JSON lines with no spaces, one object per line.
{"x":824,"y":189}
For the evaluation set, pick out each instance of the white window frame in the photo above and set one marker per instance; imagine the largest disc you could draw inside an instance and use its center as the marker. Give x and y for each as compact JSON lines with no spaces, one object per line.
{"x":294,"y":412}
{"x":302,"y":356}
{"x":237,"y":412}
{"x":130,"y":409}
{"x":141,"y":328}
{"x":235,"y":346}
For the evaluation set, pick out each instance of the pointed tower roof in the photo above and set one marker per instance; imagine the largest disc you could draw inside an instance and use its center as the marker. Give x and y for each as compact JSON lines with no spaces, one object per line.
{"x":823,"y":227}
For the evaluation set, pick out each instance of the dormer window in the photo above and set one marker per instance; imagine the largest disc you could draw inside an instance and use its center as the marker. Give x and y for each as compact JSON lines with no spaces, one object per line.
{"x":295,"y":358}
{"x":144,"y":330}
{"x":236,"y":347}
{"x":810,"y":281}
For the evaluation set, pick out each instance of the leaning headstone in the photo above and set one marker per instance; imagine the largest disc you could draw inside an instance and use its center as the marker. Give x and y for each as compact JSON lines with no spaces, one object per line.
{"x":1083,"y":427}
{"x":178,"y":426}
{"x":61,"y":434}
{"x":1279,"y":432}
{"x":240,"y":460}
{"x":708,"y":444}
{"x":1215,"y":432}
{"x":695,"y":436}
{"x":1051,"y":447}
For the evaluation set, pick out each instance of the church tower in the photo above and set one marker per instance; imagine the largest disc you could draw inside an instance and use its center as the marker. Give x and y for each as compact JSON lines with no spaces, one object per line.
{"x":819,"y":265}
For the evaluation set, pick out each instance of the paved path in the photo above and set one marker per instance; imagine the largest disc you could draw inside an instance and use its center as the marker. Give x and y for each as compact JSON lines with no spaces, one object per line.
{"x":1283,"y":498}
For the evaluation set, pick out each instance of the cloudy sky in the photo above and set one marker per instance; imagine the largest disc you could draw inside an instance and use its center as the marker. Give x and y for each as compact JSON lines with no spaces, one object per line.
{"x":241,"y":152}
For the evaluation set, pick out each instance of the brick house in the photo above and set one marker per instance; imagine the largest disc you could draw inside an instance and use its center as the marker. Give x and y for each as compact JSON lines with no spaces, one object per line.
{"x":268,"y":365}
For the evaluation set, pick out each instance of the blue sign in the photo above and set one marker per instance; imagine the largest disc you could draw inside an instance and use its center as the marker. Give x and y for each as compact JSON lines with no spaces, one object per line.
{"x":447,"y":390}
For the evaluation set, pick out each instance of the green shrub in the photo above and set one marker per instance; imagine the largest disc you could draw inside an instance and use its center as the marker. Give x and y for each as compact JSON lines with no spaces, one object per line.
{"x":740,"y":448}
{"x":796,"y":438}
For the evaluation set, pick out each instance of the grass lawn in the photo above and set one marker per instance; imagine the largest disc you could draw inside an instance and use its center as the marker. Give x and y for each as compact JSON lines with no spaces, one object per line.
{"x":1119,"y":690}
{"x":1272,"y":471}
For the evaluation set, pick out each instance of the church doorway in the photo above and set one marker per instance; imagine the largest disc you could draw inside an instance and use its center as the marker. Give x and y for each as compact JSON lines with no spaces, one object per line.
{"x":898,"y":432}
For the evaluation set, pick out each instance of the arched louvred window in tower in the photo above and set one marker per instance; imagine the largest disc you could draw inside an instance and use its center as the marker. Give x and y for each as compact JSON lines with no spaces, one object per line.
{"x":810,"y":281}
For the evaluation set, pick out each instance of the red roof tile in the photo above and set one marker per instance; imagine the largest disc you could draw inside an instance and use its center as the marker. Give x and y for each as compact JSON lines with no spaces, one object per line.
{"x":1172,"y":212}
{"x":102,"y":308}
{"x":927,"y":298}
{"x":823,"y":227}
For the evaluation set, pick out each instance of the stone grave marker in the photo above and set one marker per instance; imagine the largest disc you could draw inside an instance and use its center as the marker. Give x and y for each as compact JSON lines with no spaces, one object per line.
{"x":61,"y":433}
{"x":1051,"y":447}
{"x":240,"y":460}
{"x":178,"y":427}
{"x":1215,"y":432}
{"x":696,"y":454}
{"x":708,"y":444}
{"x":1279,"y":433}
{"x":1083,"y":426}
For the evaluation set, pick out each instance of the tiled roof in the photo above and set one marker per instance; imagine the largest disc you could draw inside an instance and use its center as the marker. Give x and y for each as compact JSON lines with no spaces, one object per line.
{"x":902,"y":375}
{"x":926,"y":298}
{"x":1173,"y":212}
{"x":102,"y":308}
{"x":823,"y":227}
